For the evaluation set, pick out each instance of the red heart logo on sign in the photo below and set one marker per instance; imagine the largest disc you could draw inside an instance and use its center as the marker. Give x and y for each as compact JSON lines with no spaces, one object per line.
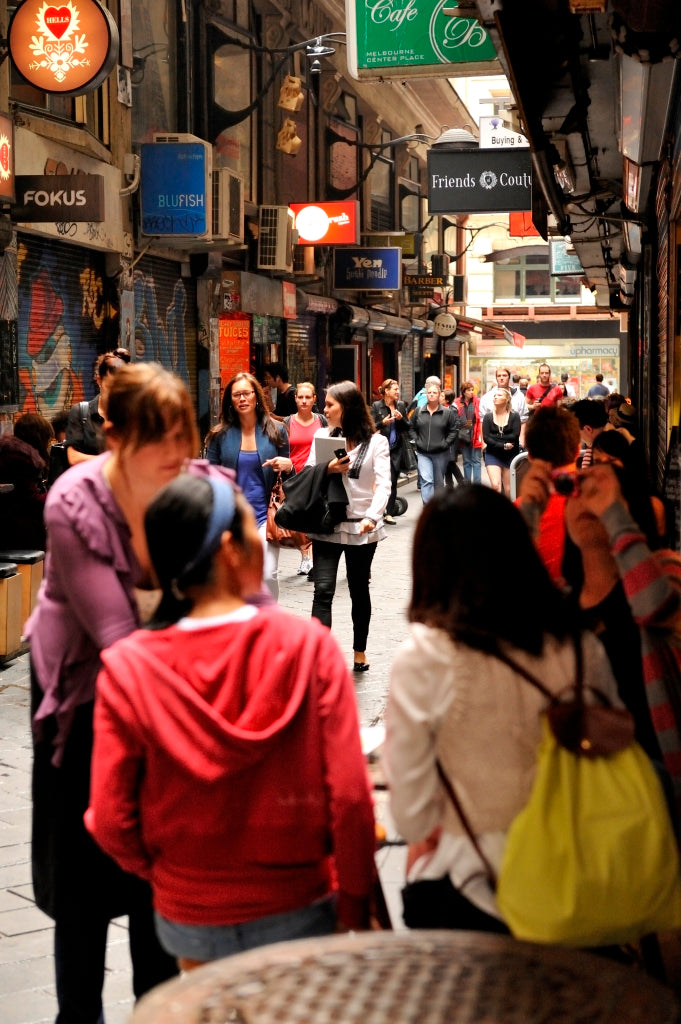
{"x":57,"y":20}
{"x":4,"y":157}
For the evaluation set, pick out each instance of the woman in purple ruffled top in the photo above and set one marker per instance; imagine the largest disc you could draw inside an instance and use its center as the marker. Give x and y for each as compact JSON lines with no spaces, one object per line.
{"x":96,"y":569}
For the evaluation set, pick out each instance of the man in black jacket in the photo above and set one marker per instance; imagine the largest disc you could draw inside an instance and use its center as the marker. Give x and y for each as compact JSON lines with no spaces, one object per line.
{"x":434,"y":428}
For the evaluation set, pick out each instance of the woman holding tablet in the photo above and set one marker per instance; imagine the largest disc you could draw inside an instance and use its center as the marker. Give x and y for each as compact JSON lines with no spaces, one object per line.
{"x":367,"y":481}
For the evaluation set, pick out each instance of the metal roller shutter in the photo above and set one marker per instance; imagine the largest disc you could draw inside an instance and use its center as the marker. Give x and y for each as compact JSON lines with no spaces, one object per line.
{"x":67,"y":315}
{"x":166,"y":318}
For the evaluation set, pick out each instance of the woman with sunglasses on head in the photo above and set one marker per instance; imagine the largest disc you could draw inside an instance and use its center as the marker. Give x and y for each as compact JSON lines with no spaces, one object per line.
{"x":241,"y":794}
{"x":257,"y":448}
{"x":365,"y":472}
{"x":97,"y":577}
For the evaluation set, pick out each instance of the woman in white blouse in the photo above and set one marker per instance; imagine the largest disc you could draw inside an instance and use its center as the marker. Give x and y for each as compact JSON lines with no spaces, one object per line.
{"x":366,"y":477}
{"x":455,"y":701}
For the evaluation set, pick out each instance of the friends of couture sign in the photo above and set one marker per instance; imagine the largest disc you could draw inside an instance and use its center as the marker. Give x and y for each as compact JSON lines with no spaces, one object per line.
{"x":414,"y":38}
{"x":66,"y":48}
{"x":55,"y":198}
{"x":327,"y":223}
{"x":366,"y":270}
{"x":175,"y":188}
{"x":479,"y":181}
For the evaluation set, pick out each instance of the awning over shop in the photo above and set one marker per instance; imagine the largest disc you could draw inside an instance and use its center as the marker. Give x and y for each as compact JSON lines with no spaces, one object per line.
{"x":306,"y":302}
{"x":375,"y":320}
{"x":517,"y":250}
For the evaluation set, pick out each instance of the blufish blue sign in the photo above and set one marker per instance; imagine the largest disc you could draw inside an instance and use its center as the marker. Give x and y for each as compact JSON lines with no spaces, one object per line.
{"x":175,"y":197}
{"x":367,"y":270}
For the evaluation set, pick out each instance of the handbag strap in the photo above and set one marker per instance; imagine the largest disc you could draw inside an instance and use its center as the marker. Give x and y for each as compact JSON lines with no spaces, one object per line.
{"x":456,"y":803}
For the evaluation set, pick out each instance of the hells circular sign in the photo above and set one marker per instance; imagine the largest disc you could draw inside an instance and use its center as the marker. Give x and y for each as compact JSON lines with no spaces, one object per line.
{"x":66,"y":48}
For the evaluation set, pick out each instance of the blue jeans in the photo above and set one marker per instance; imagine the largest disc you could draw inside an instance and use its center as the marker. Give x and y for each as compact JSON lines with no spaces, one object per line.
{"x":472,"y":459}
{"x":211,"y":942}
{"x":432,"y":472}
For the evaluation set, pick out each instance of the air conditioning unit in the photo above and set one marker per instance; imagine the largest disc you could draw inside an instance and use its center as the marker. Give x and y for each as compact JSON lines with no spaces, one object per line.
{"x":275,"y":238}
{"x":228,"y":205}
{"x":303,"y":260}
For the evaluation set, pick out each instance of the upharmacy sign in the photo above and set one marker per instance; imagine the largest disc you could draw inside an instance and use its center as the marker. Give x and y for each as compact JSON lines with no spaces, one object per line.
{"x":415,"y":38}
{"x":479,"y":181}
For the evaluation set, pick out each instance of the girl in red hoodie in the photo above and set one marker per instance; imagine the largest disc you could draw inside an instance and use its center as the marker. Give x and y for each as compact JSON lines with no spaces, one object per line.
{"x":227,"y":766}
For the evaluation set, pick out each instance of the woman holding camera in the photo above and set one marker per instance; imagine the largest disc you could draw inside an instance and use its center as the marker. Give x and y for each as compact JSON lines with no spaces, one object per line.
{"x":365,"y":472}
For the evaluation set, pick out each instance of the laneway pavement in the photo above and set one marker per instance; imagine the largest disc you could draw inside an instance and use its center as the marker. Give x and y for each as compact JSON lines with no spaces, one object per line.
{"x":26,"y":965}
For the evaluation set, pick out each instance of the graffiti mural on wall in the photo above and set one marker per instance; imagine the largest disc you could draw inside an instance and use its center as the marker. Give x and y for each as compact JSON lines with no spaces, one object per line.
{"x":69,"y":314}
{"x":161,"y":337}
{"x":66,"y":319}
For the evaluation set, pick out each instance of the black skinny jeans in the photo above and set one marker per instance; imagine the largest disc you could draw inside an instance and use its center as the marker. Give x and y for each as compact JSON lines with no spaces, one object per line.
{"x":358,"y":558}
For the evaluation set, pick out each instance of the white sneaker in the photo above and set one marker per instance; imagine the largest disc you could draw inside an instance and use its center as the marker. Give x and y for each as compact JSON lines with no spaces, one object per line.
{"x":305,"y":566}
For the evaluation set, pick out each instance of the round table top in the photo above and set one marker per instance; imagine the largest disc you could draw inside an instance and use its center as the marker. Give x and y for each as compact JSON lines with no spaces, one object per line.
{"x":405,"y":977}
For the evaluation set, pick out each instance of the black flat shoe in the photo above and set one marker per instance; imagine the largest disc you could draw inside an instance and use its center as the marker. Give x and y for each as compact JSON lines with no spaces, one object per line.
{"x":360,"y":666}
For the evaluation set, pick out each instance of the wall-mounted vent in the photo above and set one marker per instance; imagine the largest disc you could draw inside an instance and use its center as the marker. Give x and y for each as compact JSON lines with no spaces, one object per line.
{"x":275,"y":238}
{"x":228,"y":205}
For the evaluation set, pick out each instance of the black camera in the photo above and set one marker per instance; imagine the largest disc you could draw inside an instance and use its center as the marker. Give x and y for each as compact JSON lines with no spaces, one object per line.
{"x":566,"y":484}
{"x":340,"y":453}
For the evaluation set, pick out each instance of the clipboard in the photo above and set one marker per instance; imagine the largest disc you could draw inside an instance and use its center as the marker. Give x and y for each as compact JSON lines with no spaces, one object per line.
{"x":325,"y":448}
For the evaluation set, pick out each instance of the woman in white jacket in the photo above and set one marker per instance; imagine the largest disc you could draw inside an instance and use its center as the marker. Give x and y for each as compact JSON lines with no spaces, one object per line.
{"x":366,"y":476}
{"x":454,"y":700}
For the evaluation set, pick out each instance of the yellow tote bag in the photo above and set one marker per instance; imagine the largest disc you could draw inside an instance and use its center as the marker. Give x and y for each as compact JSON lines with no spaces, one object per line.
{"x":591,"y":860}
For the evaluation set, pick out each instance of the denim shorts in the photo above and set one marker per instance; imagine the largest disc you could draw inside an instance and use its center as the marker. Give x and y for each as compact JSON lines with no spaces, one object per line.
{"x":210,"y":942}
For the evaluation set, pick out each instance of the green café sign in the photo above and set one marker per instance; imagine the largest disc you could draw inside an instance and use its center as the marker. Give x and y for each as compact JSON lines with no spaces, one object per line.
{"x":415,"y":38}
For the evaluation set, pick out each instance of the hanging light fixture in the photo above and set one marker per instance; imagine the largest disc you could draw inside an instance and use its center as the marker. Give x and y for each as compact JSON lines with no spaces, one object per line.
{"x":291,"y":95}
{"x":319,"y":49}
{"x":288,"y":140}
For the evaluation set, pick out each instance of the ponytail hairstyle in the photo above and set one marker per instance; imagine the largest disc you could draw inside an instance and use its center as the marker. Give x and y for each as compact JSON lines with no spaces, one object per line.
{"x":184,"y":525}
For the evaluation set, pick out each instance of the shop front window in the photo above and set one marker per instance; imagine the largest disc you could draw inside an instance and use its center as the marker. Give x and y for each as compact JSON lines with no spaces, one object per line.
{"x":528,"y":279}
{"x":154,"y":73}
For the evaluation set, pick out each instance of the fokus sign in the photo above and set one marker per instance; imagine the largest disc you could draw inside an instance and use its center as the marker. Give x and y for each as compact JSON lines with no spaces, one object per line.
{"x":479,"y":181}
{"x":59,"y":197}
{"x":402,"y":38}
{"x":67,"y":48}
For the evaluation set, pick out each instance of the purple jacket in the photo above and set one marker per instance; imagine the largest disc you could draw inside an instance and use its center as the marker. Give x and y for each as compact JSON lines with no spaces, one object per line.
{"x":86,"y":600}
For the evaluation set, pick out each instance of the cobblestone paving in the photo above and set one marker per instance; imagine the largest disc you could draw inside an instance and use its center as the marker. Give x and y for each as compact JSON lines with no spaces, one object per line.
{"x":26,"y":968}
